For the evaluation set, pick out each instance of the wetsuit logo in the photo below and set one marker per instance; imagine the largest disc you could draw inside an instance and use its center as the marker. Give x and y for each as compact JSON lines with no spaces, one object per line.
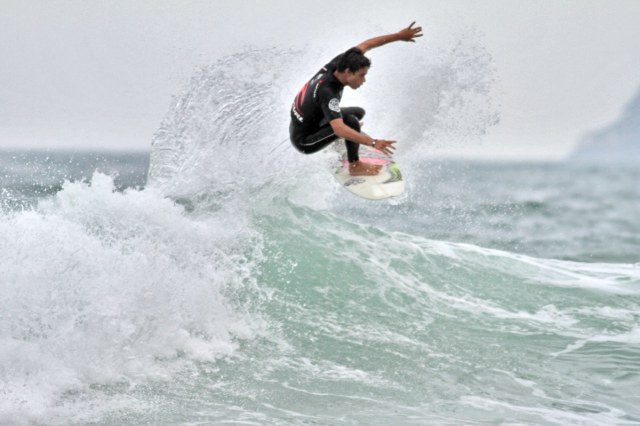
{"x":334,"y":105}
{"x":296,"y":114}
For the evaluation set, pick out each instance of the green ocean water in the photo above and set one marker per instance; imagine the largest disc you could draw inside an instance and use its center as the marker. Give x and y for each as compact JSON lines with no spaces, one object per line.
{"x":510,"y":306}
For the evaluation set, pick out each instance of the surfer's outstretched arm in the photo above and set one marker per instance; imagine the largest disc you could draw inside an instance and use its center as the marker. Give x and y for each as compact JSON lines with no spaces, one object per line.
{"x":406,"y":34}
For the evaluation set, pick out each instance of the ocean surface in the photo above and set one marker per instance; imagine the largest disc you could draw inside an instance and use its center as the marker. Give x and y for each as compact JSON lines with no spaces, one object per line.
{"x":492,"y":293}
{"x":224,"y":278}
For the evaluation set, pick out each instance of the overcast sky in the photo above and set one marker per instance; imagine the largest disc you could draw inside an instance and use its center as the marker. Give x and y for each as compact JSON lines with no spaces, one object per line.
{"x":100,"y":74}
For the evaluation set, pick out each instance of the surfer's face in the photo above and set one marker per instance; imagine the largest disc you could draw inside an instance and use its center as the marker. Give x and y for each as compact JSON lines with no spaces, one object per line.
{"x":357,"y":79}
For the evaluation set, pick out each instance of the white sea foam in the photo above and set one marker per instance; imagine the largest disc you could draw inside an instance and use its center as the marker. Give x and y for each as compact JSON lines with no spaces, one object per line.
{"x":101,"y":287}
{"x":594,"y":414}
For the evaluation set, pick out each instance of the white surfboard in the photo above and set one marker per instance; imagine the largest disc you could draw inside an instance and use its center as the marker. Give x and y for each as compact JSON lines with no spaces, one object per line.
{"x":387,"y":183}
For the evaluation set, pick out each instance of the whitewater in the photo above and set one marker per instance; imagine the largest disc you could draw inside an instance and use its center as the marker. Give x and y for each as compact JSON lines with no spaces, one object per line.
{"x":227,"y":279}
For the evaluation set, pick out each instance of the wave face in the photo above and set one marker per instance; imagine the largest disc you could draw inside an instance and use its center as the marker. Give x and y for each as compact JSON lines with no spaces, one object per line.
{"x":241,"y":286}
{"x":122,"y":308}
{"x":383,"y":327}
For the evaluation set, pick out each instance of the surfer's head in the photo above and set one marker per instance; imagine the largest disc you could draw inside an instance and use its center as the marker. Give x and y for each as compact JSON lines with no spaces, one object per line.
{"x":352,"y":68}
{"x":353,"y":60}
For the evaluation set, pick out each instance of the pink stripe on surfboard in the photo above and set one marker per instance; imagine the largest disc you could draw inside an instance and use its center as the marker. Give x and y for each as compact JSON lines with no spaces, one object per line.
{"x":380,"y":161}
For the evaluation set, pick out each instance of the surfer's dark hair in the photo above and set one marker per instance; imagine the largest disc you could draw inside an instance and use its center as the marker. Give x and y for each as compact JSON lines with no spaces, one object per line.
{"x":353,"y":60}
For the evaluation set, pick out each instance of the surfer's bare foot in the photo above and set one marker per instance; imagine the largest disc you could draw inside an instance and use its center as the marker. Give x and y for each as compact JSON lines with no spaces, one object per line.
{"x":363,"y":169}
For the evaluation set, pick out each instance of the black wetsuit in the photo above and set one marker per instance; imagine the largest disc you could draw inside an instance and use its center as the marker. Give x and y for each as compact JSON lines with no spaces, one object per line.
{"x":317,"y":103}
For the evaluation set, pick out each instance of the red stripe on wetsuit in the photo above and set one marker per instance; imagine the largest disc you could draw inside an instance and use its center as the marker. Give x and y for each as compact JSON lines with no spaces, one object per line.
{"x":302,"y":94}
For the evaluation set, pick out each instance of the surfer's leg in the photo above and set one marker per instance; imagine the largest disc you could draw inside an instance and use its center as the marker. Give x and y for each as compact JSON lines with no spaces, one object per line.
{"x":309,"y":144}
{"x":318,"y":141}
{"x":357,"y":111}
{"x":352,"y":119}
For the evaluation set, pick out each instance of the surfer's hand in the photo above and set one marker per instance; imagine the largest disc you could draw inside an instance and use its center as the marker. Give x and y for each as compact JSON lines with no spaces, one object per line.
{"x":385,"y":146}
{"x":409,"y":33}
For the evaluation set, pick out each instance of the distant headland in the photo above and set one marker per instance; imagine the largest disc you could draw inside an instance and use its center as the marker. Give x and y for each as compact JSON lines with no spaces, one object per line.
{"x":618,"y":142}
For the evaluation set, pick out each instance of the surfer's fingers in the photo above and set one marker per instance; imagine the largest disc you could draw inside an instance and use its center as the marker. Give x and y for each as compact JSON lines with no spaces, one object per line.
{"x":388,"y":148}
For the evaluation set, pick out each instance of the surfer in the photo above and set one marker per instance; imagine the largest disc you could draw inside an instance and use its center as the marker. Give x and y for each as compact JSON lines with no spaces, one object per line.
{"x":317,"y":119}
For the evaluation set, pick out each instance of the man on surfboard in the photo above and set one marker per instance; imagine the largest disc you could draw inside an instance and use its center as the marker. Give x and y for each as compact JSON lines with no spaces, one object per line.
{"x":317,"y":119}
